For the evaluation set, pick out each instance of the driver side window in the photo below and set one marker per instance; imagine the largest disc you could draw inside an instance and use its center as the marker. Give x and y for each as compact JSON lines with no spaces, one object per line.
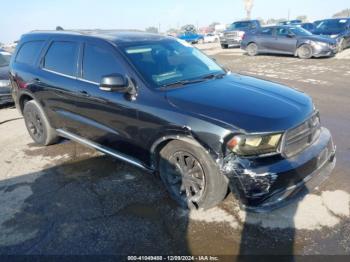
{"x":282,"y":32}
{"x":99,"y":62}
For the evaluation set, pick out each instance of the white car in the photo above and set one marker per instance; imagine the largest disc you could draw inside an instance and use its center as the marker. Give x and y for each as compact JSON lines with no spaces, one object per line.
{"x":211,"y":38}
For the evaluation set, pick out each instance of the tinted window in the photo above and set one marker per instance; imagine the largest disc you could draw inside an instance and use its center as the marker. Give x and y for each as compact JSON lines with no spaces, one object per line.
{"x":29,"y":52}
{"x":238,"y":25}
{"x":266,"y":31}
{"x":98,"y":62}
{"x":166,"y":62}
{"x":62,"y":58}
{"x":282,"y":31}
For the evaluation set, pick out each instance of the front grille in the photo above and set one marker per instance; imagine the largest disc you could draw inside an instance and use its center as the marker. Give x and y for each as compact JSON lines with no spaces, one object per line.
{"x":299,"y":138}
{"x":231,"y":34}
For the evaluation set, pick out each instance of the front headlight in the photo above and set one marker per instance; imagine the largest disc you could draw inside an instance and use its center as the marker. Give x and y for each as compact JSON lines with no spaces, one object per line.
{"x":319,"y":44}
{"x":4,"y":83}
{"x":250,"y":145}
{"x":334,"y":36}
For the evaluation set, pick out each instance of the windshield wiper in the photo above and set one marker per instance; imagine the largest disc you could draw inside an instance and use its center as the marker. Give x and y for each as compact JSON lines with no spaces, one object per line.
{"x":182,"y":83}
{"x":192,"y":81}
{"x":214,"y":76}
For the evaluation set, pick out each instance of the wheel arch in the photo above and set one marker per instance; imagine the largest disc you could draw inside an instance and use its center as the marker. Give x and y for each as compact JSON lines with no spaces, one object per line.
{"x":161,"y":142}
{"x":23,"y":98}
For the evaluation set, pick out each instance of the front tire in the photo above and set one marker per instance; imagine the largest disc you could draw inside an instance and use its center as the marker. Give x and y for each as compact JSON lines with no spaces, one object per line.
{"x":342,"y":45}
{"x":38,"y":125}
{"x":191,"y":176}
{"x":224,"y":46}
{"x":305,"y":51}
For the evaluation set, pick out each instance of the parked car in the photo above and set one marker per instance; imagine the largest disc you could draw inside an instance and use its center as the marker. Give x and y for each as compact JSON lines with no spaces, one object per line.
{"x":211,"y":38}
{"x":308,"y":26}
{"x":163,"y":106}
{"x":290,"y":22}
{"x":336,"y":28}
{"x":235,"y":33}
{"x":291,"y":40}
{"x":191,"y":37}
{"x":5,"y":91}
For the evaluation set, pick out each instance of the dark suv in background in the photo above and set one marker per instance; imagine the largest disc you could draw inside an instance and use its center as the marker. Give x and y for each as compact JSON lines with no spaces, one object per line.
{"x":336,"y":28}
{"x":163,"y":106}
{"x":233,"y":35}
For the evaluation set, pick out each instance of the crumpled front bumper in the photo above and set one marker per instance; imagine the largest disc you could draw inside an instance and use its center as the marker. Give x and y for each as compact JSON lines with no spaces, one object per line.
{"x":264,"y":184}
{"x":325,"y":51}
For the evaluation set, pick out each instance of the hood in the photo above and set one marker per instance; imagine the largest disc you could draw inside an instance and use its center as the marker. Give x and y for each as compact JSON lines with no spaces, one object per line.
{"x":244,"y":102}
{"x":4,"y":72}
{"x":324,"y":39}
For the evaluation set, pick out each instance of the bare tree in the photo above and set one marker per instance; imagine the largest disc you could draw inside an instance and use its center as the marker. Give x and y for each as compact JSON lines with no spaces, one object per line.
{"x":248,"y":6}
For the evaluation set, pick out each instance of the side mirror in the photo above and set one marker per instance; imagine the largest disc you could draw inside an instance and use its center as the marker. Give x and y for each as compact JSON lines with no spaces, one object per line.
{"x":114,"y":82}
{"x":290,"y":35}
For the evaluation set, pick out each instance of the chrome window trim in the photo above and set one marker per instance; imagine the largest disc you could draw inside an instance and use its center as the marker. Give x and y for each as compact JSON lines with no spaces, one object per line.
{"x":60,"y":74}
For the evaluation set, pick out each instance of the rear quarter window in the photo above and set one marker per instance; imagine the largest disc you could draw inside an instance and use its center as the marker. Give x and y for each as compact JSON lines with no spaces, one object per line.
{"x":29,"y":52}
{"x":62,"y":57}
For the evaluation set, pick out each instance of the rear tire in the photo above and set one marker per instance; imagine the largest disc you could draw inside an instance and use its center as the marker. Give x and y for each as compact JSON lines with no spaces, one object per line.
{"x":305,"y":51}
{"x":38,"y":125}
{"x":252,"y":49}
{"x":223,"y":46}
{"x":191,"y":176}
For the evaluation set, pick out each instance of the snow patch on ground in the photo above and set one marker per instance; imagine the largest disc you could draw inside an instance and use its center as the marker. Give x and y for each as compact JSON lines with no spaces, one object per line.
{"x":311,"y":213}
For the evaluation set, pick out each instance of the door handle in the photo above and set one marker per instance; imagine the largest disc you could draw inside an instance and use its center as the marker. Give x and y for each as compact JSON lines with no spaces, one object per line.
{"x":84,"y":93}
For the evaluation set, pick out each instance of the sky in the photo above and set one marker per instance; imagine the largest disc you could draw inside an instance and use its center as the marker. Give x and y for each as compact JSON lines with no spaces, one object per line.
{"x":20,"y":16}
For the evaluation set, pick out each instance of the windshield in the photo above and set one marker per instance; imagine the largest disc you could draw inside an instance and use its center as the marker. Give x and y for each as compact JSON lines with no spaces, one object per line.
{"x":334,"y":24}
{"x":239,"y":25}
{"x":167,"y":62}
{"x":299,"y":31}
{"x":5,"y":58}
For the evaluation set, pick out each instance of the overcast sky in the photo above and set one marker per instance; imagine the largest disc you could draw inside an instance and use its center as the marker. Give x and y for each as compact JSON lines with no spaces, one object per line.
{"x":18,"y":17}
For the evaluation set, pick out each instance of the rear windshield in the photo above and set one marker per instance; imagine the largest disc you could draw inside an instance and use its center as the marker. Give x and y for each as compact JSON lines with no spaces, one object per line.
{"x":239,"y":25}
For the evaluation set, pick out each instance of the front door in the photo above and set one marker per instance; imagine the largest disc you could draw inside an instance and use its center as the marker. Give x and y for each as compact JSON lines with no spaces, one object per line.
{"x":107,"y":118}
{"x":286,"y":42}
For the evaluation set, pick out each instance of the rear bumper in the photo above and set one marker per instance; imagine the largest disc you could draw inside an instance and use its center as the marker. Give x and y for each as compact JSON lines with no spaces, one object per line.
{"x":266,"y":184}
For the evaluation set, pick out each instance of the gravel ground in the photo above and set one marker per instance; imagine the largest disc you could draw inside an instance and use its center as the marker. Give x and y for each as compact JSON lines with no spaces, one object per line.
{"x":67,"y":199}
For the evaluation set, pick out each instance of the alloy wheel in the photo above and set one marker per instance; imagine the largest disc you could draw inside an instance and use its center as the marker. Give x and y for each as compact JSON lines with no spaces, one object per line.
{"x":186,"y":179}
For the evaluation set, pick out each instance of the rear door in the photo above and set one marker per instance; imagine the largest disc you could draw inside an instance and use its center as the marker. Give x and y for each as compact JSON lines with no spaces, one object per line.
{"x":285,"y":42}
{"x":265,"y":39}
{"x":57,"y":81}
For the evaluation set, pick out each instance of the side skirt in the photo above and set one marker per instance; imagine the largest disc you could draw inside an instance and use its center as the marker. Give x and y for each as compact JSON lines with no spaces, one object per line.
{"x":104,"y":149}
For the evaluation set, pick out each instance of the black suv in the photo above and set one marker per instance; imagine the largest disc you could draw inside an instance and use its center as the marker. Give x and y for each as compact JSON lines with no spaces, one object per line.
{"x":161,"y":105}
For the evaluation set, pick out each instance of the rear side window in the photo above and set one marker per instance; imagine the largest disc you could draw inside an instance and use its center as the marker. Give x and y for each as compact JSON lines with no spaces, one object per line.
{"x":62,"y":58}
{"x":29,"y":52}
{"x":99,"y":62}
